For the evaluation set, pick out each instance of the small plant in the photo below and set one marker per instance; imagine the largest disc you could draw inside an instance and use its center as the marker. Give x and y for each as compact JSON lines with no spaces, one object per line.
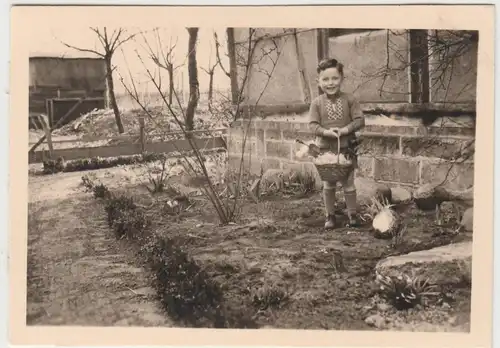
{"x":303,"y":182}
{"x":398,"y":236}
{"x":158,"y":175}
{"x":98,"y":190}
{"x":386,"y":223}
{"x":403,"y":292}
{"x":270,"y":296}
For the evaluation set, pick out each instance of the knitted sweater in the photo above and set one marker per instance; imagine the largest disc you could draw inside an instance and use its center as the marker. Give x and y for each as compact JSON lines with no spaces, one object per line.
{"x":341,"y":110}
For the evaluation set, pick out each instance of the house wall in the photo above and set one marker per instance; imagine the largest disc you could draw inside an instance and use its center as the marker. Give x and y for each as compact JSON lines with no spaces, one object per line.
{"x":366,"y":56}
{"x":284,"y":85}
{"x":365,"y":60}
{"x":65,"y":78}
{"x":68,"y":73}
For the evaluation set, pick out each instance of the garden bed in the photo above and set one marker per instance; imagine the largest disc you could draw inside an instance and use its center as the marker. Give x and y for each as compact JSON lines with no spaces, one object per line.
{"x":277,"y":267}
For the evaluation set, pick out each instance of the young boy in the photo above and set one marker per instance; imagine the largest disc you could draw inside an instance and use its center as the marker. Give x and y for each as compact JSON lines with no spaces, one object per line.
{"x":336,"y":114}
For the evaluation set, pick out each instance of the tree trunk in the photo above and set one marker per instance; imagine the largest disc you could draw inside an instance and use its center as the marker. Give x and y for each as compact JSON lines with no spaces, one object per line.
{"x":170,"y":70}
{"x":233,"y":69}
{"x":193,"y":79}
{"x":112,"y":99}
{"x":210,"y":86}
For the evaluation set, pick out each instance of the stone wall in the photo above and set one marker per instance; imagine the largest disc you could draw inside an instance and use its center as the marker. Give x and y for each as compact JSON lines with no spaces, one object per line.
{"x":395,"y":150}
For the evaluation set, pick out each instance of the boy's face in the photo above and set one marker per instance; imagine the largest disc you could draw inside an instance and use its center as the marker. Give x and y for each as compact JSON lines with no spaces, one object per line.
{"x":329,"y":81}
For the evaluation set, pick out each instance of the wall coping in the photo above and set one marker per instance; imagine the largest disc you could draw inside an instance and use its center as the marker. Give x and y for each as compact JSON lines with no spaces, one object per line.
{"x":417,"y":110}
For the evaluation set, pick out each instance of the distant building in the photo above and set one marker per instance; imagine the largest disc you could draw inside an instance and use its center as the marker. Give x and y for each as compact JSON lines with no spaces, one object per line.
{"x":57,"y":84}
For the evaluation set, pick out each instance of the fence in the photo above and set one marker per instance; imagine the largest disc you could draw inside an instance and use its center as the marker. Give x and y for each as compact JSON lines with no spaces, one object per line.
{"x":130,"y":145}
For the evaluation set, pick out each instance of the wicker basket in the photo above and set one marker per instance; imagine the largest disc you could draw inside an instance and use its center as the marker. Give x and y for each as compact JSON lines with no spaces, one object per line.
{"x":334,"y":171}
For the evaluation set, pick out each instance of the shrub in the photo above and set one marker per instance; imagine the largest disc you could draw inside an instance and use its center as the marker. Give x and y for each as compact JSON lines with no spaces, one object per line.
{"x":125,"y":218}
{"x":403,"y":292}
{"x":54,"y":166}
{"x":98,"y":190}
{"x":270,"y":296}
{"x":187,"y":292}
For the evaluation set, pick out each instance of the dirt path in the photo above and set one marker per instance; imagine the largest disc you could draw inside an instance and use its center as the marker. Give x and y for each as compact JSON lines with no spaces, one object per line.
{"x":78,"y":274}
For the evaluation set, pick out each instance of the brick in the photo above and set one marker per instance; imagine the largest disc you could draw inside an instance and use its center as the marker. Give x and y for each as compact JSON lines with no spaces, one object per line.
{"x":396,"y":170}
{"x":236,"y":132}
{"x":393,"y":130}
{"x":251,"y":164}
{"x":278,"y":149}
{"x":458,"y":176}
{"x":273,"y":134}
{"x":294,"y":134}
{"x":434,"y":147}
{"x":365,"y":167}
{"x":259,"y":134}
{"x":292,"y":166}
{"x":235,"y":145}
{"x":378,"y":144}
{"x":452,"y":131}
{"x":271,"y":163}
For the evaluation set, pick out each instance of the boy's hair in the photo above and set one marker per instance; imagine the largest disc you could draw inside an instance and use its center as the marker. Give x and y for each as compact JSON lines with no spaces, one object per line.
{"x":328,"y":63}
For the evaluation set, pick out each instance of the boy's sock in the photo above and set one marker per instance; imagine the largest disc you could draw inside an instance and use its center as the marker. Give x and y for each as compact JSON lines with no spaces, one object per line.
{"x":351,"y":203}
{"x":329,"y":200}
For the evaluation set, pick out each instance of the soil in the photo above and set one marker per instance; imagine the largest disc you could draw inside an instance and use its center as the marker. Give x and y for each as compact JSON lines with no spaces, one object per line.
{"x":317,"y":279}
{"x":77,"y":273}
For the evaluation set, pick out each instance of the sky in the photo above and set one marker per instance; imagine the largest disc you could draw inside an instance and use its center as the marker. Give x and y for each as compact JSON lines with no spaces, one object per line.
{"x":132,"y":58}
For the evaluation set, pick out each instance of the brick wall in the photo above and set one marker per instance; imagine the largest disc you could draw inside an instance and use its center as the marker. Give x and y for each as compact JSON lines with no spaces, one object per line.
{"x":402,"y":153}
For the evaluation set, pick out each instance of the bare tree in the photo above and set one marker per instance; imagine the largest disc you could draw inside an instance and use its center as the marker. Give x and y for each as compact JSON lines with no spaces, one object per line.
{"x":194,"y":88}
{"x":165,"y":60}
{"x":210,"y":71}
{"x":110,"y":43}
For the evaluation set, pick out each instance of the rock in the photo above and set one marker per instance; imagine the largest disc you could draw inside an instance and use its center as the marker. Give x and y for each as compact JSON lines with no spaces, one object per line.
{"x":368,"y":188}
{"x":449,"y":264}
{"x":400,"y":195}
{"x":145,"y":291}
{"x":468,"y":219}
{"x":375,"y":320}
{"x":383,"y":307}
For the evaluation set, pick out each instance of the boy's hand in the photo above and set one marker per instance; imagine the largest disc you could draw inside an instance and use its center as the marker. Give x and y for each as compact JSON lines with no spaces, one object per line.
{"x":343,"y":131}
{"x":331,"y":133}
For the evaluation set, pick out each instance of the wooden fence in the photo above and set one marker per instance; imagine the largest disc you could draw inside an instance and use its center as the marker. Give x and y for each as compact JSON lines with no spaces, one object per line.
{"x":132,"y":145}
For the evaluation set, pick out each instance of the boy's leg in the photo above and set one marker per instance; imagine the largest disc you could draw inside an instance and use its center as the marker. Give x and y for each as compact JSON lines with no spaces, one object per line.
{"x":329,"y":189}
{"x":351,"y":199}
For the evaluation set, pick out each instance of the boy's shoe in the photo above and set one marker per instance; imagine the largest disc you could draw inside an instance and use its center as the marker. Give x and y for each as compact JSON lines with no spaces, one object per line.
{"x":353,"y":221}
{"x":330,"y":222}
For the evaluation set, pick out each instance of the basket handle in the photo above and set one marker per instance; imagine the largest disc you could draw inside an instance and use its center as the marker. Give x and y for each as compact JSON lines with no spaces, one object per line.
{"x":338,"y":148}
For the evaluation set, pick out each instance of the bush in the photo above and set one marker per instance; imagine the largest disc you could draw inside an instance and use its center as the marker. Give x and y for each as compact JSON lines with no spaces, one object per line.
{"x":186,"y":291}
{"x":54,"y":166}
{"x":125,"y":218}
{"x":98,"y":190}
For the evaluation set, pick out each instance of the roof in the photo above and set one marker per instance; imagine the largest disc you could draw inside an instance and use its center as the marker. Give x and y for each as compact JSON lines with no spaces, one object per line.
{"x":42,"y":57}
